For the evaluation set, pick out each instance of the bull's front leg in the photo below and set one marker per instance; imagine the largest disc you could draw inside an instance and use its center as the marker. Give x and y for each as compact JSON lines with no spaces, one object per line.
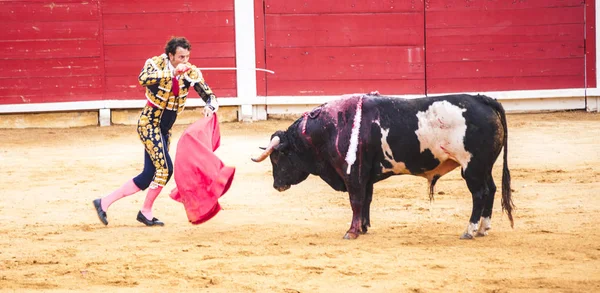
{"x":355,"y":226}
{"x":357,"y":195}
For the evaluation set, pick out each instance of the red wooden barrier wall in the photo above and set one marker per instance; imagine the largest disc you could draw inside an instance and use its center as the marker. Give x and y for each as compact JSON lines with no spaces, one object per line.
{"x":74,"y":50}
{"x":137,"y":30}
{"x":50,"y":52}
{"x":334,"y":47}
{"x":497,"y":45}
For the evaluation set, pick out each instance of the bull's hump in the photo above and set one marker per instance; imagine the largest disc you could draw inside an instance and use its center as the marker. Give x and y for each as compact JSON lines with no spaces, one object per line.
{"x":442,"y":129}
{"x":347,"y":102}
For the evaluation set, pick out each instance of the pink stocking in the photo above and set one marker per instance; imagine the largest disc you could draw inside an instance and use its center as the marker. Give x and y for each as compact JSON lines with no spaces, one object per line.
{"x":128,"y":188}
{"x":150,"y":197}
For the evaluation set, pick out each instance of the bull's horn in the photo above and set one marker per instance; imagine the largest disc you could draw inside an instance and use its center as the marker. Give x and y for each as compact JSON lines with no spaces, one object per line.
{"x":274,"y":142}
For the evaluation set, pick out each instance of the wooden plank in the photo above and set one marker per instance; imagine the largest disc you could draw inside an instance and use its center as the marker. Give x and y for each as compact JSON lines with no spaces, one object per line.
{"x":338,"y":87}
{"x":53,"y":11}
{"x":133,"y":67}
{"x":80,"y":85}
{"x":161,"y":36}
{"x":348,"y":70}
{"x":49,"y":49}
{"x":216,"y":80}
{"x":343,"y":22}
{"x":364,"y":36}
{"x":26,"y":98}
{"x":590,"y":44}
{"x":161,"y":6}
{"x":102,"y":42}
{"x":133,"y":95}
{"x":514,"y":50}
{"x":175,"y":21}
{"x":453,"y":85}
{"x":344,"y":30}
{"x":507,"y":68}
{"x":340,"y":6}
{"x":346,"y":63}
{"x":504,"y":18}
{"x":505,"y":34}
{"x":143,"y":52}
{"x":220,"y":79}
{"x":50,"y":30}
{"x":123,"y":84}
{"x":60,"y":67}
{"x":459,"y":5}
{"x":44,"y":1}
{"x":260,"y":46}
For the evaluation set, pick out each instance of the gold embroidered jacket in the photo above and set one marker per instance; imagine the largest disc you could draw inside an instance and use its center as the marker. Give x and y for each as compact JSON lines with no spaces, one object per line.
{"x":157,"y":77}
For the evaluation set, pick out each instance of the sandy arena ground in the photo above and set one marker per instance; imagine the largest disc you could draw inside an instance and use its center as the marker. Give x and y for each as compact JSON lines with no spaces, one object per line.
{"x":266,"y":241}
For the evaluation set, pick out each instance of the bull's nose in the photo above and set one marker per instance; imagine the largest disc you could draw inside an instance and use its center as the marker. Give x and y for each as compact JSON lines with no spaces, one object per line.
{"x":282,"y":188}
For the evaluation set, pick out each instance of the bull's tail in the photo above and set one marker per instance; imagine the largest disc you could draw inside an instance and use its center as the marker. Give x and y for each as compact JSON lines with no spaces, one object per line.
{"x":507,"y":203}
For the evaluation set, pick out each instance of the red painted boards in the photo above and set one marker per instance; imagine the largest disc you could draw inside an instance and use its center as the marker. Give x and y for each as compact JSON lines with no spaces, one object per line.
{"x":73,"y":50}
{"x":137,"y":30}
{"x":50,"y":51}
{"x":590,"y":43}
{"x":504,"y":45}
{"x":326,"y":48}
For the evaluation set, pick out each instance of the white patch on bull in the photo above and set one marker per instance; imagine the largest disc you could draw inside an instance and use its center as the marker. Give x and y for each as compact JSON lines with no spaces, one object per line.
{"x":470,"y":232}
{"x":353,"y":147}
{"x":486,"y":224}
{"x":397,"y":167}
{"x":442,"y":130}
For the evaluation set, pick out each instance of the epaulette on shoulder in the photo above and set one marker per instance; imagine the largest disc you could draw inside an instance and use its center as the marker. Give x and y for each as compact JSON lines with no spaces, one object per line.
{"x":193,"y":75}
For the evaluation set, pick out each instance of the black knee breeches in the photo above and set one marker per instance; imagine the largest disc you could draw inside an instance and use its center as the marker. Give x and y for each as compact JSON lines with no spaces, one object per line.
{"x":154,"y":129}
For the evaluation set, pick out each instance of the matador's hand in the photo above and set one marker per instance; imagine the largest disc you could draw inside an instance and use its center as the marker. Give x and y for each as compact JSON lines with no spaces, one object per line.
{"x":208,"y":110}
{"x":181,"y":69}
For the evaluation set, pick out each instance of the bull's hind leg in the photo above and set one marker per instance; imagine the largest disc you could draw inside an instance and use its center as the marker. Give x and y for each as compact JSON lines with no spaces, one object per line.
{"x":486,"y":215}
{"x":476,"y":182}
{"x":366,"y":210}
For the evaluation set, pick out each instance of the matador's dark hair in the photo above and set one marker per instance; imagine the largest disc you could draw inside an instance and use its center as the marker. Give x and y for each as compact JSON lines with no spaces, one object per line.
{"x":175,"y":42}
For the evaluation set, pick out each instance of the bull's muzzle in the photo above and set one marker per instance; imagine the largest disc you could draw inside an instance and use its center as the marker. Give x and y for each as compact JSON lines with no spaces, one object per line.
{"x":282,"y":188}
{"x":274,"y":142}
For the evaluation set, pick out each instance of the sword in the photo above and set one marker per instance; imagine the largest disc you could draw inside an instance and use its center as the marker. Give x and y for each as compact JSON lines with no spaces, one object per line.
{"x":235,"y":68}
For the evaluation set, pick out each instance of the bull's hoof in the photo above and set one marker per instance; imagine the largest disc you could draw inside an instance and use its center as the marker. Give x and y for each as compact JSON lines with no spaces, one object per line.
{"x":466,"y":236}
{"x":350,"y":235}
{"x":481,"y":234}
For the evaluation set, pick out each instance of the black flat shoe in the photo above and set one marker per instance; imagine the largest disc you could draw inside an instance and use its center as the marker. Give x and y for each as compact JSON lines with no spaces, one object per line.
{"x":100,"y":212}
{"x":154,"y":222}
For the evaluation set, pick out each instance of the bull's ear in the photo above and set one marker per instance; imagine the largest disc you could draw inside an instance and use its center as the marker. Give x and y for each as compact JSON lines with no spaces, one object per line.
{"x":283,"y":143}
{"x":282,"y":146}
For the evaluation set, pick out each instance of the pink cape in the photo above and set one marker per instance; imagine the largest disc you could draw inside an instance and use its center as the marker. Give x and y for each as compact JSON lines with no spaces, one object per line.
{"x":200,"y":175}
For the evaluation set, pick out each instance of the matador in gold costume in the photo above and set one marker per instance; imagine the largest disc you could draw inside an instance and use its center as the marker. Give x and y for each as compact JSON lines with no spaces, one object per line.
{"x":167,"y":79}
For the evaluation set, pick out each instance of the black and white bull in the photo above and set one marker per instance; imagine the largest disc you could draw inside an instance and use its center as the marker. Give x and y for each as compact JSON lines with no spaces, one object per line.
{"x":358,"y":140}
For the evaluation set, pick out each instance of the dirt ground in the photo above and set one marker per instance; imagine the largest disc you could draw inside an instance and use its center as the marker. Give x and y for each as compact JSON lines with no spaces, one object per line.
{"x":266,"y":241}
